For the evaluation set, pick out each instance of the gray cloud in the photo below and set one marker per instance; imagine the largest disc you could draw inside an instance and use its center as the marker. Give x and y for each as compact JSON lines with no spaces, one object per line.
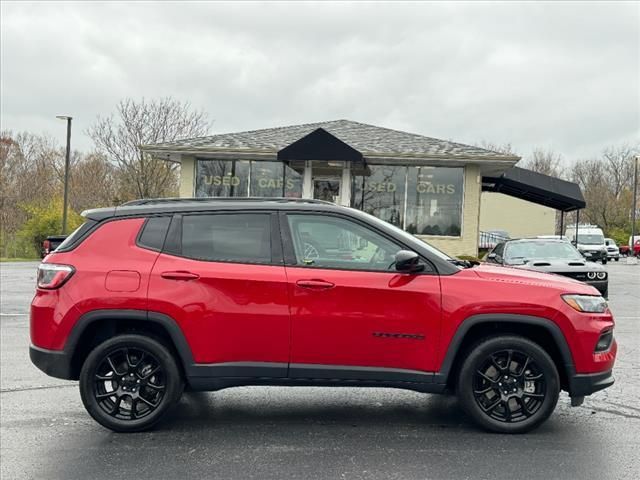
{"x":558,"y":75}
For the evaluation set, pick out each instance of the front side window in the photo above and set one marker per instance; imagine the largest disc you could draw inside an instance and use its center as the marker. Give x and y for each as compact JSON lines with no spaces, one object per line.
{"x":243,"y":238}
{"x":332,"y":242}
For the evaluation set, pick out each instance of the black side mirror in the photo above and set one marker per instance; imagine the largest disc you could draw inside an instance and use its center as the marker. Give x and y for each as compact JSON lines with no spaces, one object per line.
{"x":494,"y":257}
{"x":408,"y":262}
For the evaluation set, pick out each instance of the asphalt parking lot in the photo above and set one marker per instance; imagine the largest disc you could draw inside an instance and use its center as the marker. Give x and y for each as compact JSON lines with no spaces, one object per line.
{"x":273,"y":432}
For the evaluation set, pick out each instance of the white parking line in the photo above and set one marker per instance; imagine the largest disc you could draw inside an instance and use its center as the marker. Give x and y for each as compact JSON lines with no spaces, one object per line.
{"x":13,"y":314}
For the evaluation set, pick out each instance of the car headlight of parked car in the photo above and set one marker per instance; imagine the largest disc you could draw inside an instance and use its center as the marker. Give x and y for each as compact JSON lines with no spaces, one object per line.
{"x":591,"y":275}
{"x":586,"y":303}
{"x":602,"y":275}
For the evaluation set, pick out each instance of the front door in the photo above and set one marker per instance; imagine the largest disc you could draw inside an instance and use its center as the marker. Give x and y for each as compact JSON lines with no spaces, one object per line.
{"x":225,"y":286}
{"x":327,"y":189}
{"x":352,"y":314}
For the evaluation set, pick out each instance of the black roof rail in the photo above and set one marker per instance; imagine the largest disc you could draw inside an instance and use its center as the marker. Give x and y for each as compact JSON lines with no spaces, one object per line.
{"x":153,"y":201}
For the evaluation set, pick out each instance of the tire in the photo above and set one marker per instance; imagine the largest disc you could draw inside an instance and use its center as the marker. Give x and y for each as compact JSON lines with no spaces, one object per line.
{"x":617,"y":258}
{"x":483,"y":397}
{"x":141,"y":373}
{"x":604,"y":261}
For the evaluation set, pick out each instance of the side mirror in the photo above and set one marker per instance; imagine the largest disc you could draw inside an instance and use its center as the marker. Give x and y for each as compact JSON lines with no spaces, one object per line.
{"x":494,"y":257}
{"x":408,"y":262}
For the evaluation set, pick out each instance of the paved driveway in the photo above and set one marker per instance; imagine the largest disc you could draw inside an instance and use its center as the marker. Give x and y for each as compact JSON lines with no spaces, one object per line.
{"x":273,"y":432}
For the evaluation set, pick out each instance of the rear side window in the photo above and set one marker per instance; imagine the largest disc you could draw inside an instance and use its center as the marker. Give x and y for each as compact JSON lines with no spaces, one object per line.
{"x":76,"y":235}
{"x":242,"y":238}
{"x":154,"y":232}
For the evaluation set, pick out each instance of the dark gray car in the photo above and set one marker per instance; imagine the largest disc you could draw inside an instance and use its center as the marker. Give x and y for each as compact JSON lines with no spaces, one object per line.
{"x":550,"y":256}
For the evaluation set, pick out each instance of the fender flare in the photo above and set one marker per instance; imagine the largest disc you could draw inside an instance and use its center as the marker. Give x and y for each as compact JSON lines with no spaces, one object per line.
{"x":168,"y":323}
{"x":465,"y":326}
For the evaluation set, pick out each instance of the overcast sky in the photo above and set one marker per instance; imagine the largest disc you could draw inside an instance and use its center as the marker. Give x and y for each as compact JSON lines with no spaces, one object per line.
{"x":556,"y":75}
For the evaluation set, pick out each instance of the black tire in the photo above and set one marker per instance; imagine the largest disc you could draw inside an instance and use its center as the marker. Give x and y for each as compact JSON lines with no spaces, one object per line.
{"x":141,"y":373}
{"x":604,"y":261}
{"x":531,"y":386}
{"x":617,"y":258}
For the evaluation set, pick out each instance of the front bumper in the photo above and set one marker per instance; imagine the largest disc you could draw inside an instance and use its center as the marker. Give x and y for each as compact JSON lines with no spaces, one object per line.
{"x":583,"y":384}
{"x":56,"y":363}
{"x":601,"y":285}
{"x":594,"y":255}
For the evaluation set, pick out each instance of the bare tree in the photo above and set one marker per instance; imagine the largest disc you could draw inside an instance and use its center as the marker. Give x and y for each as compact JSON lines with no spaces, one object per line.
{"x":143,"y":122}
{"x":505,"y":148}
{"x":544,"y":161}
{"x":618,"y":165}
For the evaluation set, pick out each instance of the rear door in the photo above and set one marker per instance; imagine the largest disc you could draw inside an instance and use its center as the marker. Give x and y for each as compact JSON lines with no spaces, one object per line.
{"x":221,"y":277}
{"x":353,"y":315}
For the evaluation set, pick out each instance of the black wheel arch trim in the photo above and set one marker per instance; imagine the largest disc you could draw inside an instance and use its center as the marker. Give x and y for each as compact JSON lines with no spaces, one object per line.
{"x":168,"y":323}
{"x":467,"y":324}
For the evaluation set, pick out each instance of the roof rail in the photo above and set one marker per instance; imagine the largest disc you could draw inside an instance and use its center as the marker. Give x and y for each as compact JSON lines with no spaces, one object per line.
{"x":152,"y":201}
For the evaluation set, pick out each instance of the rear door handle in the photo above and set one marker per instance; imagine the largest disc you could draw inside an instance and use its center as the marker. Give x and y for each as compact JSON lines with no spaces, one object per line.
{"x":179,"y":275}
{"x":315,"y":284}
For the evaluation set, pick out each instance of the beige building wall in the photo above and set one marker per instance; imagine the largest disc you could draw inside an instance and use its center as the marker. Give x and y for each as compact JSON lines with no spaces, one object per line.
{"x":188,"y":177}
{"x":467,"y":243}
{"x":518,"y":217}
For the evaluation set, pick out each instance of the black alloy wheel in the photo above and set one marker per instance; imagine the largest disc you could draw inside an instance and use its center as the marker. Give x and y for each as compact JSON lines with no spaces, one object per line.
{"x":128,"y":383}
{"x":508,"y":384}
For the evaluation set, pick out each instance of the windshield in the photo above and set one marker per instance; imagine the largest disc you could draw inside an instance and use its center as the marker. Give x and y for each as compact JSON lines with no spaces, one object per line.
{"x":594,"y":239}
{"x":518,"y":252}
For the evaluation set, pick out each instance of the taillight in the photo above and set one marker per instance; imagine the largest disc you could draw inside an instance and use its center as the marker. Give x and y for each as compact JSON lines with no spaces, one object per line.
{"x":51,"y":275}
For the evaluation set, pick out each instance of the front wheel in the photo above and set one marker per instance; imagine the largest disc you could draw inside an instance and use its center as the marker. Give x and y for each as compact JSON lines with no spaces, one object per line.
{"x":129,"y":382}
{"x":508,"y":384}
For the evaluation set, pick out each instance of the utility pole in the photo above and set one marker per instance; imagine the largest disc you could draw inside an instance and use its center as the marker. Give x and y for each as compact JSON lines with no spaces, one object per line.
{"x":66,"y":173}
{"x":634,"y":202}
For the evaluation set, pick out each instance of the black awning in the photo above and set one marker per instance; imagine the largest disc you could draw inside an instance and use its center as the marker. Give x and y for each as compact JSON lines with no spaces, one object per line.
{"x":537,"y":188}
{"x":320,"y":145}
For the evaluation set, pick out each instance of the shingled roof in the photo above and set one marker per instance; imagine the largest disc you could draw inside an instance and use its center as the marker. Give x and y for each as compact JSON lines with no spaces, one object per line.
{"x":370,"y":140}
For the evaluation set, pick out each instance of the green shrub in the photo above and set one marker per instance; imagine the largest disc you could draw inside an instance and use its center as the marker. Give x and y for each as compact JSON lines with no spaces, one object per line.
{"x":43,"y":221}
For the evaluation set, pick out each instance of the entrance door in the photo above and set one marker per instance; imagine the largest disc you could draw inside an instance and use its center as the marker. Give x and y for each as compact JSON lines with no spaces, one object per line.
{"x":327,"y":189}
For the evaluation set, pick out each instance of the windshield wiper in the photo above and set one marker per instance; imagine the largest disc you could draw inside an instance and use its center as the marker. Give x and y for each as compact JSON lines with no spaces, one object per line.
{"x":463,"y":263}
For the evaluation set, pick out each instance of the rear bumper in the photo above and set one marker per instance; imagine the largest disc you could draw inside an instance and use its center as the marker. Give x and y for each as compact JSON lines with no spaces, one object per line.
{"x":581,"y":385}
{"x":56,"y":363}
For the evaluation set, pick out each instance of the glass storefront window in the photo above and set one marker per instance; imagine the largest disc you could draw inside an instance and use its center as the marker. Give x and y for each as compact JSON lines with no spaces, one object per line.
{"x":382,"y":193}
{"x":215,"y":178}
{"x":230,"y":178}
{"x":434,"y":201}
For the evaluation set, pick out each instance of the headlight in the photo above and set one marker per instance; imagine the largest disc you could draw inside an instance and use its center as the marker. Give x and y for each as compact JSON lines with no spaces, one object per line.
{"x":591,"y":275}
{"x":586,"y":303}
{"x":602,"y":275}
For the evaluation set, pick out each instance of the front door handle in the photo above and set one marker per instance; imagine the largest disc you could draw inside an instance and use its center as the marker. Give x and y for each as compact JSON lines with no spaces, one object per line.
{"x":315,"y":284}
{"x":180,"y":275}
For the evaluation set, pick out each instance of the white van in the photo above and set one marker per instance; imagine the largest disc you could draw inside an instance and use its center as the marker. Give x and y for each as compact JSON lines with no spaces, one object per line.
{"x":590,"y":241}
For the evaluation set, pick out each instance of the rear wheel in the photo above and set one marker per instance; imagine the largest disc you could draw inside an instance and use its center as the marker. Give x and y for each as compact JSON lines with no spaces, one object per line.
{"x":129,"y":382}
{"x":508,"y":384}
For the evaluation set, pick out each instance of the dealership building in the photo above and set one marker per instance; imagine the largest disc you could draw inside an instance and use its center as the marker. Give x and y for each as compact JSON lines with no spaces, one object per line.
{"x":439,"y":190}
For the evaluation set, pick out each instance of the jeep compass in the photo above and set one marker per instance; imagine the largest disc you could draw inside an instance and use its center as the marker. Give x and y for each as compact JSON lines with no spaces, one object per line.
{"x":155,"y":296}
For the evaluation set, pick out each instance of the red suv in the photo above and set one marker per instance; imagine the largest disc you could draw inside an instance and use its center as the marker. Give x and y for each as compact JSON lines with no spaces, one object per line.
{"x":146,"y":299}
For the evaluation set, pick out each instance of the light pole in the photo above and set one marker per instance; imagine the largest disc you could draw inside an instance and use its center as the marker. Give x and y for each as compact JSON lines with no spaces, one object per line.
{"x":634,"y":202}
{"x":66,"y":173}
